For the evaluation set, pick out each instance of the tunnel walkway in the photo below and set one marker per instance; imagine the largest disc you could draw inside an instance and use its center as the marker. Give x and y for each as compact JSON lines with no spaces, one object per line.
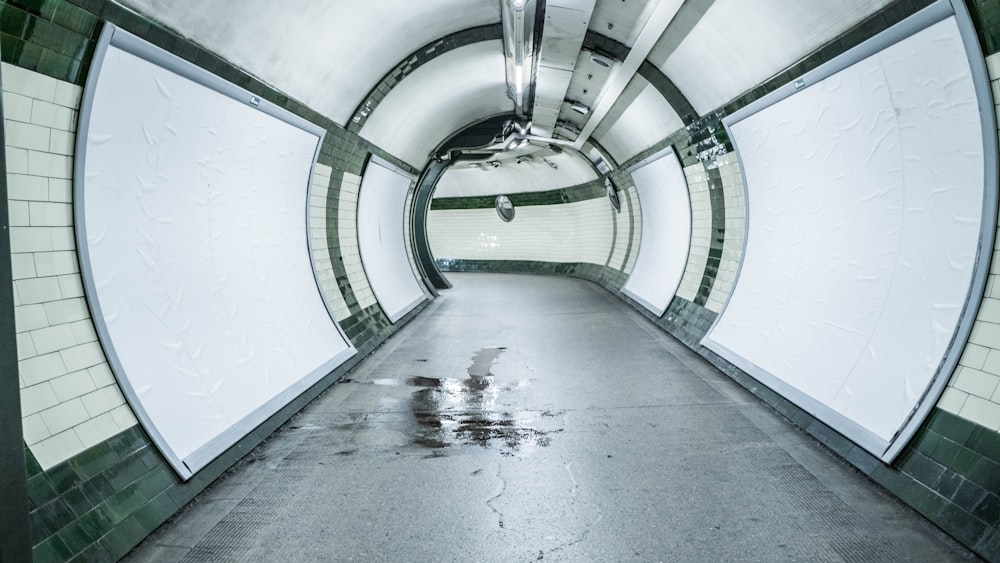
{"x":524,"y":418}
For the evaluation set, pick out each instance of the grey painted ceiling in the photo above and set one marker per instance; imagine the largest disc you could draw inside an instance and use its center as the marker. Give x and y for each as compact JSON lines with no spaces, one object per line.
{"x":330,"y":54}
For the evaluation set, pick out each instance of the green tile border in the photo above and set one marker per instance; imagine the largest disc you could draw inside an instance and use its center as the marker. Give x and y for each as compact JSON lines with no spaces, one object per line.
{"x":608,"y":278}
{"x":582,"y":192}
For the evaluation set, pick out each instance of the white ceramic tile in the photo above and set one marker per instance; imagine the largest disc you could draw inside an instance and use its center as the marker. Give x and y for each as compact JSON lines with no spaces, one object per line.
{"x":66,"y":311}
{"x":990,"y":359}
{"x":26,"y":135}
{"x":55,"y":263}
{"x":82,"y":356}
{"x":17,"y":160}
{"x":323,"y":170}
{"x":83,"y":332}
{"x":38,"y":290}
{"x":37,"y":398}
{"x":65,"y":415}
{"x":63,"y":238}
{"x":57,"y":448}
{"x":67,"y":95}
{"x":28,"y":188}
{"x":49,"y":165}
{"x":71,"y":286}
{"x":16,"y":107}
{"x":28,"y":83}
{"x":975,"y":382}
{"x":34,"y":429}
{"x":989,"y":311}
{"x":102,"y":376}
{"x":25,"y":346}
{"x":18,"y":214}
{"x":124,"y":417}
{"x":60,"y":190}
{"x":952,"y":400}
{"x":73,"y":385}
{"x":52,"y":339}
{"x":981,"y":412}
{"x":103,"y":400}
{"x":30,"y":317}
{"x":41,"y":368}
{"x":97,"y":430}
{"x":986,"y":334}
{"x":61,"y":142}
{"x":51,"y":115}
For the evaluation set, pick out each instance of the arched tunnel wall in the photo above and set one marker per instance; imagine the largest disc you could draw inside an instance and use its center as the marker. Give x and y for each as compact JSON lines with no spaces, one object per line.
{"x":97,"y":484}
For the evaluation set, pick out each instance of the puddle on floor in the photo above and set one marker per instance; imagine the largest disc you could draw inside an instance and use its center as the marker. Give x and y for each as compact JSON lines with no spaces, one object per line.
{"x":467,"y":411}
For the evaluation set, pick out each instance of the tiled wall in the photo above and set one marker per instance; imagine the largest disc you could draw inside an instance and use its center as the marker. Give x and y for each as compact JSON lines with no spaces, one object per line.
{"x":69,"y":398}
{"x":974,"y":391}
{"x":99,"y":503}
{"x":701,"y":231}
{"x":573,"y":232}
{"x":407,"y":235}
{"x":628,"y":225}
{"x":322,"y":262}
{"x":950,"y":471}
{"x":347,"y":234}
{"x":96,"y":483}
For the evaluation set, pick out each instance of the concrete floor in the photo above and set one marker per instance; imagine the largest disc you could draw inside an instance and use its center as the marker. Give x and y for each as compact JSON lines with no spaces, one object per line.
{"x":525,"y":418}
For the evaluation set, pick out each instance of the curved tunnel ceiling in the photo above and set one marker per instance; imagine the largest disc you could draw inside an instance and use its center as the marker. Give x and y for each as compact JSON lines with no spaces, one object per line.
{"x":331,"y":56}
{"x":328,"y":55}
{"x":738,"y":44}
{"x":637,"y":121}
{"x":437,"y":99}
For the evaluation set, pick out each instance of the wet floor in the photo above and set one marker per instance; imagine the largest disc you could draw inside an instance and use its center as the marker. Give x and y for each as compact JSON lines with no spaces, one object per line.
{"x":524,"y":418}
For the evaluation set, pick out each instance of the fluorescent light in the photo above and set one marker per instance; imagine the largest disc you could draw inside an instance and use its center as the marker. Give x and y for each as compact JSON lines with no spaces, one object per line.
{"x":579,"y":108}
{"x":518,"y":20}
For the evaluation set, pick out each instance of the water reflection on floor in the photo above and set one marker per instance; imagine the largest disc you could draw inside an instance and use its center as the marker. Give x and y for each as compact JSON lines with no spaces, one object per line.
{"x":450,"y":412}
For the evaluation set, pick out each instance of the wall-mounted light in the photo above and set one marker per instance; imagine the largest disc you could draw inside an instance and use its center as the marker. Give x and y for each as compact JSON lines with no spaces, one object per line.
{"x":505,"y":208}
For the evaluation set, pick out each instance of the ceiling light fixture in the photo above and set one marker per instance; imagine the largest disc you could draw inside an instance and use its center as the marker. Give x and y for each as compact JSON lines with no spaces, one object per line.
{"x":601,"y":60}
{"x":518,"y":19}
{"x":579,"y":108}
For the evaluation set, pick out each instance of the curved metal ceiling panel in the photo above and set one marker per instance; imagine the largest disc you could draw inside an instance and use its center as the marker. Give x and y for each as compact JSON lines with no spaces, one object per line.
{"x":439,"y":98}
{"x":738,"y":44}
{"x":327,"y":55}
{"x":510,"y":177}
{"x":622,"y":21}
{"x":640,"y":119}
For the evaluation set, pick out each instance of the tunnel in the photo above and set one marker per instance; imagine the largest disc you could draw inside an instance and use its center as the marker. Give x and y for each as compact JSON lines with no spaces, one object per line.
{"x":500,"y":280}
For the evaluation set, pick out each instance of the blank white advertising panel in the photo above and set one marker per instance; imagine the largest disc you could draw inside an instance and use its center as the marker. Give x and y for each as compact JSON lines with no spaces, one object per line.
{"x":865,"y":194}
{"x":381,"y":214}
{"x":192,"y":231}
{"x":666,"y":233}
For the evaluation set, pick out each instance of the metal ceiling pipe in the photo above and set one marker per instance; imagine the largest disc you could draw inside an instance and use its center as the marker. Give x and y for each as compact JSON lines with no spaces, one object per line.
{"x":518,"y":19}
